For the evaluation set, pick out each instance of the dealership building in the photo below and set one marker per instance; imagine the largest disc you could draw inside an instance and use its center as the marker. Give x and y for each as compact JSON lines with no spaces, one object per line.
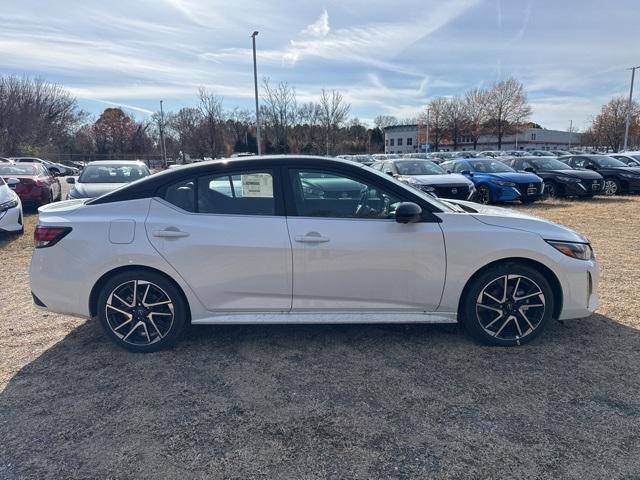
{"x":404,"y":139}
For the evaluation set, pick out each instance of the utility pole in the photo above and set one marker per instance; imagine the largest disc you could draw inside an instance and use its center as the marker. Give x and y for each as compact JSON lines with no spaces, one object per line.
{"x":255,"y":84}
{"x":163,"y":147}
{"x":626,"y":127}
{"x":426,"y":147}
{"x":570,"y":132}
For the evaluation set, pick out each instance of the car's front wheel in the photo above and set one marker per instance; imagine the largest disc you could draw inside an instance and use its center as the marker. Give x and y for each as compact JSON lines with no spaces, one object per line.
{"x":141,"y":311}
{"x":612,"y":186}
{"x":507,"y":305}
{"x":484,"y":195}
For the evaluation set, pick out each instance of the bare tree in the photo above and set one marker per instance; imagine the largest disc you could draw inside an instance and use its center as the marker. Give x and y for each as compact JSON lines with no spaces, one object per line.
{"x":383,"y":121}
{"x":211,"y":109}
{"x":476,"y":110}
{"x":609,"y":125}
{"x":279,"y":111}
{"x":508,"y":108}
{"x":186,"y":126}
{"x":437,"y":121}
{"x":455,"y":120}
{"x":35,"y":113}
{"x":333,"y":111}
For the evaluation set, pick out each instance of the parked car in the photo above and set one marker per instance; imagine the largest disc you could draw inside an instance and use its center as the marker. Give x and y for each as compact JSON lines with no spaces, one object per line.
{"x":497,"y":182}
{"x":428,"y":177}
{"x":560,"y":180}
{"x":149,"y":258}
{"x":11,"y":219}
{"x":515,"y":153}
{"x":5,"y":160}
{"x":54,"y":168}
{"x":493,"y":154}
{"x":36,"y":185}
{"x":618,"y":176}
{"x":560,"y":153}
{"x":101,"y":177}
{"x":632,"y":159}
{"x":364,"y":159}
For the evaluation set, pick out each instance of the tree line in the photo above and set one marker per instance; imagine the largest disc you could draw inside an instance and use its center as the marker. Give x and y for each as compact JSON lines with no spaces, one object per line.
{"x":43,"y":119}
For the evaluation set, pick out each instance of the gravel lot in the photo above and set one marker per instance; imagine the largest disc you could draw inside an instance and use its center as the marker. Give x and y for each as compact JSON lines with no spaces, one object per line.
{"x":330,"y":401}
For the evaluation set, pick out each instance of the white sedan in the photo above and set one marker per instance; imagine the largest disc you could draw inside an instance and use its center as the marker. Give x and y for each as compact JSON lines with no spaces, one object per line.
{"x":288,"y":239}
{"x":11,"y":219}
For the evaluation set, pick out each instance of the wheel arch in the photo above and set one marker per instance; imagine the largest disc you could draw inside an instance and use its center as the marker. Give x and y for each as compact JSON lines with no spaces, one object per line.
{"x":95,"y":290}
{"x":551,"y":277}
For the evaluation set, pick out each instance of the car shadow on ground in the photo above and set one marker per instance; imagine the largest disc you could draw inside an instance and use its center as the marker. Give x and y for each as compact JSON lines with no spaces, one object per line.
{"x":365,"y":401}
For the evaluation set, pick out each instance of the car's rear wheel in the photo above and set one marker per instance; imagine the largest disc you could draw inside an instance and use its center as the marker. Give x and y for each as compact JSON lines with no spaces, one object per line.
{"x":142,"y":311}
{"x":611,"y":186}
{"x":484,"y":195}
{"x":507,"y":305}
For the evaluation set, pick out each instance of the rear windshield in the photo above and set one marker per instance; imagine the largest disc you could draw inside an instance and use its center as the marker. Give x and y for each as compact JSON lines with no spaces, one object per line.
{"x":17,"y":169}
{"x":113,"y":173}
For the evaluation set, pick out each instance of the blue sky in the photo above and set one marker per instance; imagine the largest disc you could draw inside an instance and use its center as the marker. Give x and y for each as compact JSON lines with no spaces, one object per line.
{"x":386,"y":57}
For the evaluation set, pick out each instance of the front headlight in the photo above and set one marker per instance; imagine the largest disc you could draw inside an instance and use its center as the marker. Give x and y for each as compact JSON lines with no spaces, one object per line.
{"x":426,"y":188}
{"x":503,"y":183}
{"x":581,"y":251}
{"x":7,"y":205}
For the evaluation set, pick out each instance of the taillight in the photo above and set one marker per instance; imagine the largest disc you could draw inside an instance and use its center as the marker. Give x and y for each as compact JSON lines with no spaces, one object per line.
{"x":48,"y":236}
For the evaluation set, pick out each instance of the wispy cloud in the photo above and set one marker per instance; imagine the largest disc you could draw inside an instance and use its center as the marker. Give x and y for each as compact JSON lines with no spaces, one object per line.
{"x":319,"y":28}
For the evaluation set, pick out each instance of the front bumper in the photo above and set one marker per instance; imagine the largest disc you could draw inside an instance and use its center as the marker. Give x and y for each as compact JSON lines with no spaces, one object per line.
{"x":579,"y":281}
{"x":580,"y":189}
{"x":11,"y":219}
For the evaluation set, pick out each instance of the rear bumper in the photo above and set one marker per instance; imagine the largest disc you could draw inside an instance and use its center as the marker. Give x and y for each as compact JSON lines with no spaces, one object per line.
{"x":34,"y":195}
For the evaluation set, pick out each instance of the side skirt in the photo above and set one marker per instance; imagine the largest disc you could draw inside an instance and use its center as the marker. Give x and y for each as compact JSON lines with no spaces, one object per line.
{"x":326,"y":318}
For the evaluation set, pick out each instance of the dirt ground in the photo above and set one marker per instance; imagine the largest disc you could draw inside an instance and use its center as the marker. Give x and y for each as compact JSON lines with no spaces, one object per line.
{"x":306,"y":402}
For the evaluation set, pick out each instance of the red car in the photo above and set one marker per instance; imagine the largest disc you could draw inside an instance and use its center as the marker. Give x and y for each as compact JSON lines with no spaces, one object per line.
{"x":37,"y":186}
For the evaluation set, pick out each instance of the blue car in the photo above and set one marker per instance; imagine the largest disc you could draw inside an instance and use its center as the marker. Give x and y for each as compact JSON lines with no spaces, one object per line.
{"x":497,"y":182}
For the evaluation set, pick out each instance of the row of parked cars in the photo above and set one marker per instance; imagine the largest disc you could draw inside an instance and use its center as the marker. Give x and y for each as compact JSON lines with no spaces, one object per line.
{"x":492,"y":176}
{"x":35,"y":182}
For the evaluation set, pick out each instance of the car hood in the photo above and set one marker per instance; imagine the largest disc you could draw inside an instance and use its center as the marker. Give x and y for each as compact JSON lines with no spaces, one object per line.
{"x":583,"y":174}
{"x":516,"y":177}
{"x":445,"y":179}
{"x":92,"y":190}
{"x":507,"y":218}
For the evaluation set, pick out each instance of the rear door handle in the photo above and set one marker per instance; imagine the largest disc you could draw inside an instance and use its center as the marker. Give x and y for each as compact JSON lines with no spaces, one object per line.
{"x":311,"y":237}
{"x":170,"y":233}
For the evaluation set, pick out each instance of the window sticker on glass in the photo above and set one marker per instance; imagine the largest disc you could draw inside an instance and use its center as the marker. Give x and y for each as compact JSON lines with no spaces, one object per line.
{"x":257,"y":185}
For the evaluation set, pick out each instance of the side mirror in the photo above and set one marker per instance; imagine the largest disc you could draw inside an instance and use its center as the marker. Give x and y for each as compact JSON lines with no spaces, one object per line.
{"x":408,"y":212}
{"x":591,"y":167}
{"x":12,"y":182}
{"x":529,"y":169}
{"x":390,"y":174}
{"x":71,"y":180}
{"x":467,"y":172}
{"x":53,"y":172}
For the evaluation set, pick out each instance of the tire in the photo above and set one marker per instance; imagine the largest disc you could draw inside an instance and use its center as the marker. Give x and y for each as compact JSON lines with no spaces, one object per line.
{"x":483,"y":194}
{"x":612,"y":186}
{"x":495,"y":317}
{"x":550,"y":189}
{"x":153,"y":322}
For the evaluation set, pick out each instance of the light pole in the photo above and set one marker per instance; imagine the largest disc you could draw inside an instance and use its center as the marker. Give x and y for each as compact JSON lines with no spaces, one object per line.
{"x":163,"y":147}
{"x":426,"y":146}
{"x":570,"y":132}
{"x":626,"y":126}
{"x":255,"y":84}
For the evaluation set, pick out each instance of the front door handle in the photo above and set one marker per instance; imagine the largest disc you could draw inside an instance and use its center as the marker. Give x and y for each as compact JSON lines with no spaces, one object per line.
{"x":170,"y":233}
{"x":311,"y":237}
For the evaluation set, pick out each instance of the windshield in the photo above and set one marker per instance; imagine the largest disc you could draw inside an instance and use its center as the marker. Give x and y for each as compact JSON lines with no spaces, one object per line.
{"x":604,"y":161}
{"x":548,"y":164}
{"x":112,"y":173}
{"x":490,"y":166}
{"x":419,"y":167}
{"x":16,"y":169}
